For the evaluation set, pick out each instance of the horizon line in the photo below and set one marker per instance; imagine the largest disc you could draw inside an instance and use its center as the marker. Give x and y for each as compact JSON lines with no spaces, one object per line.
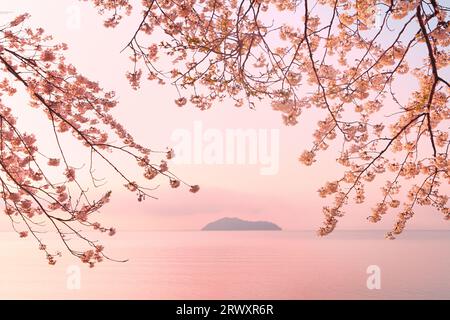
{"x":288,"y":230}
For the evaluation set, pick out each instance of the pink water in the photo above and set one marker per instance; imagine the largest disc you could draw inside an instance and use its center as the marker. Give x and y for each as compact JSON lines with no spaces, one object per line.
{"x":237,"y":265}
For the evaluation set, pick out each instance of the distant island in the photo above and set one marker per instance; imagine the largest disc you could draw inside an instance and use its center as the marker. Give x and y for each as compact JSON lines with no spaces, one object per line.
{"x":236,"y":224}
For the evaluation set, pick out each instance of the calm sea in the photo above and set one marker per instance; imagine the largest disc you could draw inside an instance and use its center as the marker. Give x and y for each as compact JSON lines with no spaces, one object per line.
{"x":236,"y":265}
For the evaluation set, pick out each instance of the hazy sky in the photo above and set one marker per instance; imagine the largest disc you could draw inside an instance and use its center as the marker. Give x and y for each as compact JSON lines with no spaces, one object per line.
{"x":288,"y":198}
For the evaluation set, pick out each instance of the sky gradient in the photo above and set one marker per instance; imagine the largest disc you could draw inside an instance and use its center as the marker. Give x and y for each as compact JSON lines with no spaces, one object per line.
{"x":288,"y":198}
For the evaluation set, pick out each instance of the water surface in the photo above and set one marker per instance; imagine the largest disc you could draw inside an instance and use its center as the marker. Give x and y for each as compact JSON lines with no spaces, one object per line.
{"x":238,"y":265}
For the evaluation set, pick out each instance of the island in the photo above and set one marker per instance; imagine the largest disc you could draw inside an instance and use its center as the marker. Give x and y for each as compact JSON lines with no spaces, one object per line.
{"x":236,"y":224}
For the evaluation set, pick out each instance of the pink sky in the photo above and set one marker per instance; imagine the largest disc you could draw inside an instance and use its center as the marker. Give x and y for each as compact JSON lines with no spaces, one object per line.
{"x":288,"y":198}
